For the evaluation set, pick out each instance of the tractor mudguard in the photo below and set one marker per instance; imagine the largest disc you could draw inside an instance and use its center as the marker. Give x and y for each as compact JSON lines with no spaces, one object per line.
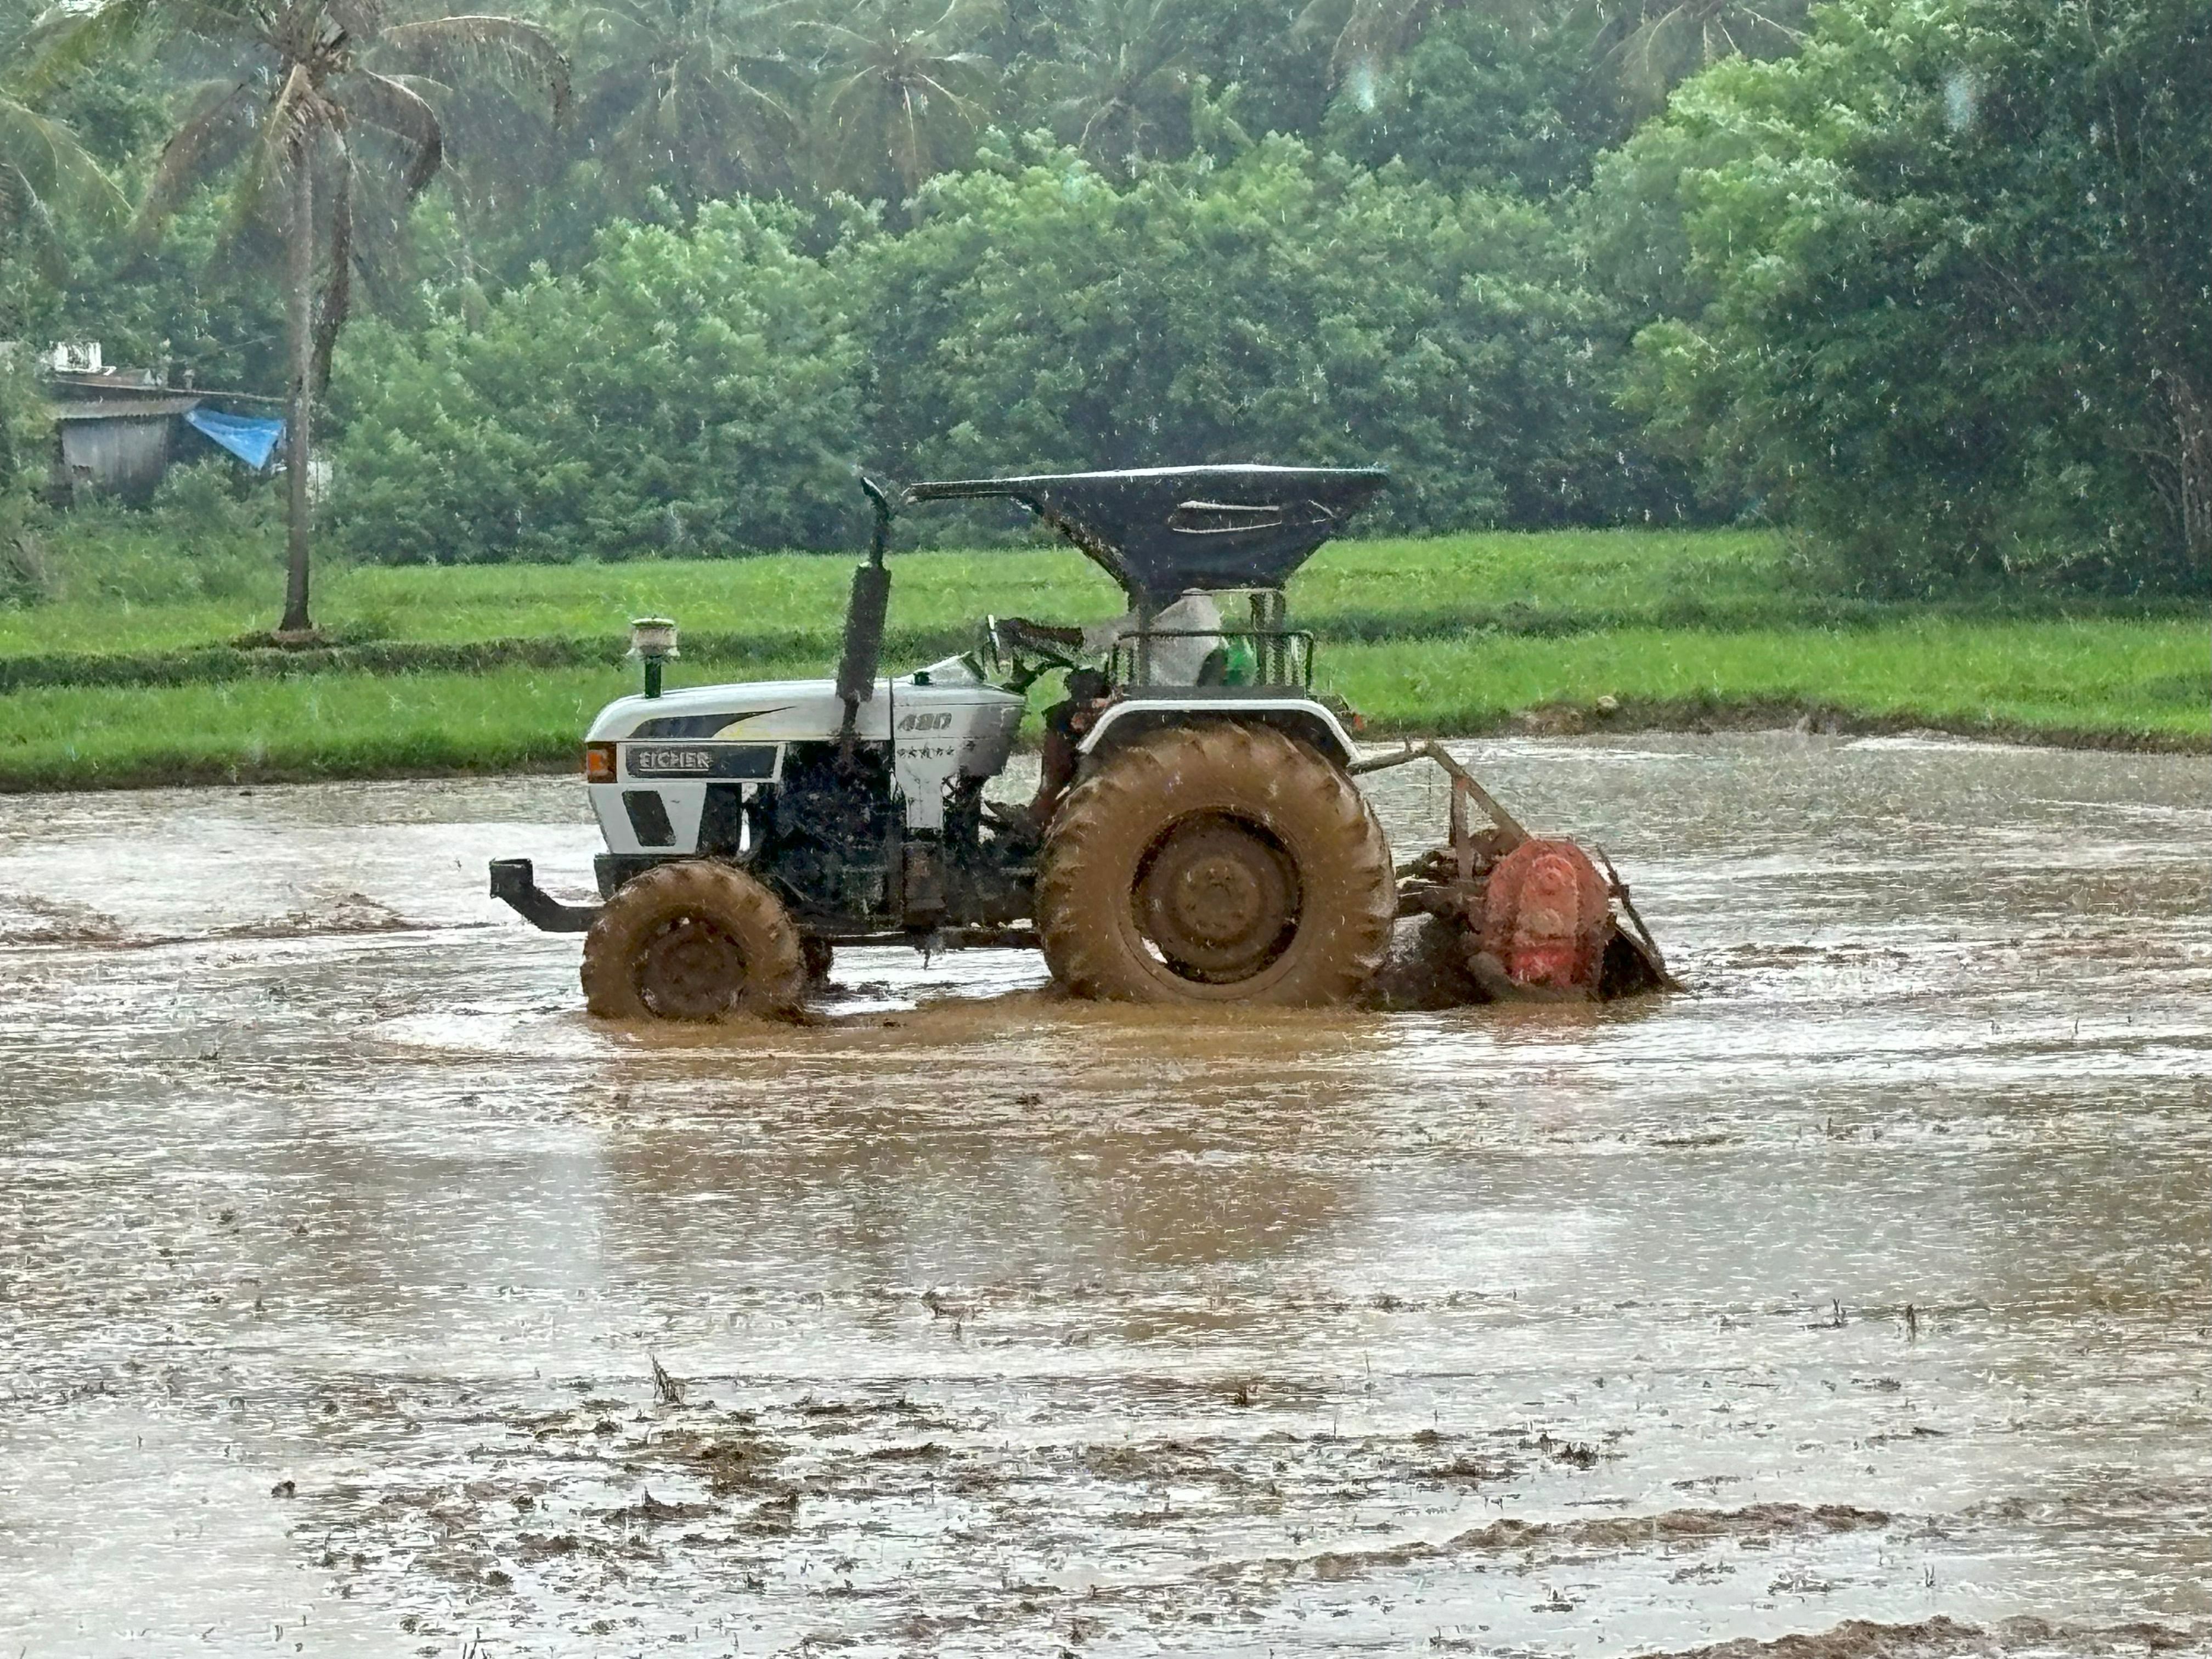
{"x":1142,"y":709}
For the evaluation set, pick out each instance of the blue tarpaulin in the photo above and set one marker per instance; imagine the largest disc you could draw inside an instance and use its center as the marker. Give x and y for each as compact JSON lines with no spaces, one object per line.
{"x":252,"y":438}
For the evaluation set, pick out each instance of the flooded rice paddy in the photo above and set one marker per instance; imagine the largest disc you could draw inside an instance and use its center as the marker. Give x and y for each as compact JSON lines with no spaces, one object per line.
{"x":1858,"y":1296}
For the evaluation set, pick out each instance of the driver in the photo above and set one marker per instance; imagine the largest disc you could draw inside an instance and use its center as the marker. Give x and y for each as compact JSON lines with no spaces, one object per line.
{"x":1188,"y":650}
{"x":1065,"y":723}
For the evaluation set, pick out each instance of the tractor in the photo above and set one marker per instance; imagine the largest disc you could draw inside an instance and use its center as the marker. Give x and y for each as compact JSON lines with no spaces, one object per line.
{"x":1214,"y":845}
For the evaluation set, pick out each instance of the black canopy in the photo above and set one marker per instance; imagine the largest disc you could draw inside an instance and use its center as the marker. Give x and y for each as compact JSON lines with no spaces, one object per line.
{"x":1162,"y":530}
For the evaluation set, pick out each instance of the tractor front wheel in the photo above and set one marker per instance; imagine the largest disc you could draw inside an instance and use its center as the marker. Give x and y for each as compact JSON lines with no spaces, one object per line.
{"x":692,"y":940}
{"x":1216,"y":863}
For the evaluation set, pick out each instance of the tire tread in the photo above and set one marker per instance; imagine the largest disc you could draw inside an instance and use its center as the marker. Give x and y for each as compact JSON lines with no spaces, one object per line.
{"x":776,"y":971}
{"x":1132,"y":796}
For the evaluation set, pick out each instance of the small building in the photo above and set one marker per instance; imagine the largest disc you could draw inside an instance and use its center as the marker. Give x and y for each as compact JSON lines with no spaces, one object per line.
{"x":121,"y":444}
{"x":119,"y":431}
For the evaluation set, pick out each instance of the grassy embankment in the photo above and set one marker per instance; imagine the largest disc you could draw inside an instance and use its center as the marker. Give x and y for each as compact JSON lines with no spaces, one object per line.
{"x":492,"y":667}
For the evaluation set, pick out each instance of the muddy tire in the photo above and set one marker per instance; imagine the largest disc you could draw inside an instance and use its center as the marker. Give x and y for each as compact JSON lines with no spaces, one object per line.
{"x":692,"y":941}
{"x":1215,"y":863}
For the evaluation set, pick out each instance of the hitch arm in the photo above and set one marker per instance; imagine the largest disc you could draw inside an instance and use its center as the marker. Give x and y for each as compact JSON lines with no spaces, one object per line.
{"x":1464,"y":788}
{"x":515,"y":882}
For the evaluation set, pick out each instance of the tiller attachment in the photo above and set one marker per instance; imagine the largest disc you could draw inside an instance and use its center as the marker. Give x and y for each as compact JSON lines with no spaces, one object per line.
{"x":1505,"y":916}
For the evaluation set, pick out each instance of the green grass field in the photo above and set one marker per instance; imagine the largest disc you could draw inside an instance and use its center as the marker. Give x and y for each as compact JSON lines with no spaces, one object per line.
{"x":488,"y":667}
{"x":1566,"y":579}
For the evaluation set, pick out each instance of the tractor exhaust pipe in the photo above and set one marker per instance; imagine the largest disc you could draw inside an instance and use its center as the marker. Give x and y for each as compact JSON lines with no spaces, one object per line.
{"x":863,"y":622}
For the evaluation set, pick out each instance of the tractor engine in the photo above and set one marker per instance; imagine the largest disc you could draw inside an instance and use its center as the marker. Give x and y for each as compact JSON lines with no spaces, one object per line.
{"x":831,"y":831}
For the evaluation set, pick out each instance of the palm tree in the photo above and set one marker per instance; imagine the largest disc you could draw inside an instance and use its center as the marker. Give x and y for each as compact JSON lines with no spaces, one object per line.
{"x":1649,"y":46}
{"x":695,"y":95}
{"x":1124,"y":66}
{"x":42,"y":166}
{"x":315,"y":104}
{"x":903,"y":90}
{"x":1645,"y":46}
{"x":1367,"y":34}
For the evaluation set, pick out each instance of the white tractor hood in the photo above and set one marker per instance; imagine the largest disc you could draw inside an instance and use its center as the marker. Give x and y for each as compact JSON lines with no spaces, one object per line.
{"x":943,"y":729}
{"x":764,"y":711}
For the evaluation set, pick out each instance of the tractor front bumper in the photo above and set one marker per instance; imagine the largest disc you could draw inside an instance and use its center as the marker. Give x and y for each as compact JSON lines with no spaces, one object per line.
{"x":515,"y":882}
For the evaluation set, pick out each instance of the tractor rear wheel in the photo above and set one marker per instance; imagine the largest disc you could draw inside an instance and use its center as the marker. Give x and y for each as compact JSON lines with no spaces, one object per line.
{"x":693,"y":940}
{"x":1215,"y":863}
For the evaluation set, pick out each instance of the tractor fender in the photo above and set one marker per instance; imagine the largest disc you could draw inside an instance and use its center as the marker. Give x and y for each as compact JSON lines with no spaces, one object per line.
{"x":1301,"y":718}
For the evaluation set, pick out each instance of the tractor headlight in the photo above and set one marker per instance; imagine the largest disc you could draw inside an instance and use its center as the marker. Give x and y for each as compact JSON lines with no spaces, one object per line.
{"x":598,"y":762}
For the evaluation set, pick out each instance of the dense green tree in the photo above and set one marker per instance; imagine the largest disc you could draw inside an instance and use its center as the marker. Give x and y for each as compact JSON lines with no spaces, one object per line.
{"x":1365,"y":36}
{"x":1647,"y":47}
{"x":43,"y":168}
{"x":1119,"y":83}
{"x":1288,"y":307}
{"x":1484,"y":102}
{"x":76,"y":276}
{"x":22,"y":469}
{"x":713,"y":390}
{"x":1265,"y":73}
{"x":195,"y":307}
{"x":692,"y":392}
{"x":1940,"y":281}
{"x":1638,"y":49}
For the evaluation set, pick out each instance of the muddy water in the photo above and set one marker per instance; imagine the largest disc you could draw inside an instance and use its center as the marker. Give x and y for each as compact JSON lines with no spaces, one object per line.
{"x":1861,"y":1293}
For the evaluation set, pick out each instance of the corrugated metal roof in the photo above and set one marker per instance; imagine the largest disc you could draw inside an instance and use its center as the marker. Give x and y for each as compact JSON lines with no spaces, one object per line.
{"x":124,"y":409}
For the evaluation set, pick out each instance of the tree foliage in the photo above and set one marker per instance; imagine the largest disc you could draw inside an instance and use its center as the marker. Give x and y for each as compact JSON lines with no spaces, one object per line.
{"x":1287,"y":307}
{"x":1938,"y":287}
{"x":1119,"y":84}
{"x":904,"y":89}
{"x":329,"y":87}
{"x":717,"y":390}
{"x":698,"y":98}
{"x":1647,"y":47}
{"x":313,"y":88}
{"x":23,"y":439}
{"x":43,"y":168}
{"x":684,"y":391}
{"x":1482,"y":102}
